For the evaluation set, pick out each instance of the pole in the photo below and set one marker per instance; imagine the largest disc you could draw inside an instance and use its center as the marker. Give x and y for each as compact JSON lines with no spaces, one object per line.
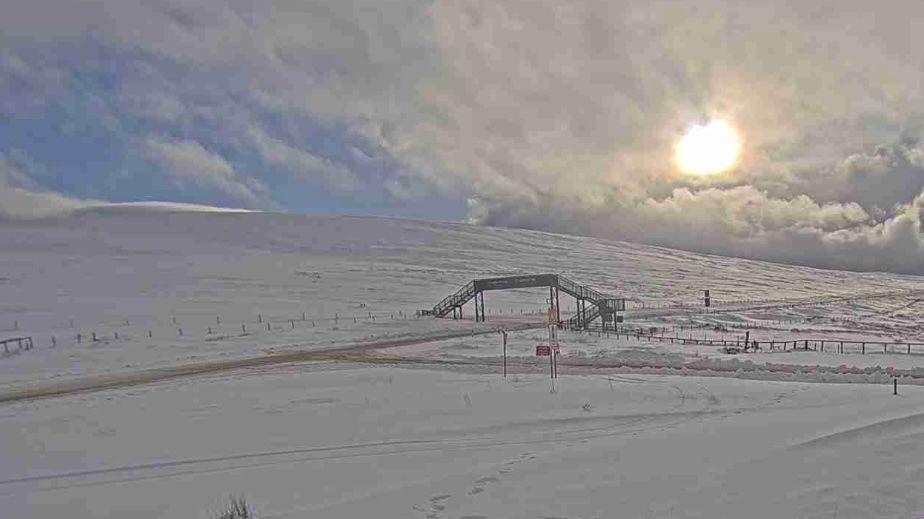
{"x":894,"y":386}
{"x":551,"y":367}
{"x":557,"y":309}
{"x":505,"y":353}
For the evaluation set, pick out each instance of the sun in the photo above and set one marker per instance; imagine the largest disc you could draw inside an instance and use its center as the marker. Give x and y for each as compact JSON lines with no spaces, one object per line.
{"x":707,"y":149}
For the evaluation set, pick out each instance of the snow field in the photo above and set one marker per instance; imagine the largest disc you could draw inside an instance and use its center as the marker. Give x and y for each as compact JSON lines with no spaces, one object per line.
{"x":346,"y":441}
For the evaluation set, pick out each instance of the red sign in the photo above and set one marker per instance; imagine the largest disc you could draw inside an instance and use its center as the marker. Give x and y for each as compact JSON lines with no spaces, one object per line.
{"x":543,"y":350}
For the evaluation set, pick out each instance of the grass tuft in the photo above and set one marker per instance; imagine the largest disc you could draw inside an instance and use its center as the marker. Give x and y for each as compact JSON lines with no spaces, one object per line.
{"x":238,"y":508}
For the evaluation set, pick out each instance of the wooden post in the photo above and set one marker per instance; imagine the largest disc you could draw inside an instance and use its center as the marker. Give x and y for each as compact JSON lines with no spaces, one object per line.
{"x":863,"y":350}
{"x":894,"y":386}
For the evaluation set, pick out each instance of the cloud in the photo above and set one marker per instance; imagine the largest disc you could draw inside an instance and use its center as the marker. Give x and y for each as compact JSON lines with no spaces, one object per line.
{"x":306,"y":165}
{"x":563,"y":117}
{"x":188,"y":162}
{"x":21,"y":198}
{"x":544,"y":114}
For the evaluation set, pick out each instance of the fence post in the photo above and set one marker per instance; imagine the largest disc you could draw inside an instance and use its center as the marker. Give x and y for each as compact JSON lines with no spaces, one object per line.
{"x":863,"y":350}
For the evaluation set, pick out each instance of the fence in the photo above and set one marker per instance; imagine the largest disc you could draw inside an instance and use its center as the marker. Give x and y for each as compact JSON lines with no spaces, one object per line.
{"x":22,"y":343}
{"x":821,"y":345}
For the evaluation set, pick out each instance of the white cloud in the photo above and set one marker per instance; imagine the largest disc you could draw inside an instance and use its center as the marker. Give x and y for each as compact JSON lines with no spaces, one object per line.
{"x":188,"y":162}
{"x":310,"y":167}
{"x":21,"y":198}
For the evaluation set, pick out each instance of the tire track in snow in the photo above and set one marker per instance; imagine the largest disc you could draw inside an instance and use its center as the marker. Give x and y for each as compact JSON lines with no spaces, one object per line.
{"x":551,"y":433}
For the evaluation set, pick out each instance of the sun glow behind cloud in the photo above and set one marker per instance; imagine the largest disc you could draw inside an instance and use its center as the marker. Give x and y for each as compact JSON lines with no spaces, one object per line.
{"x":708,"y":149}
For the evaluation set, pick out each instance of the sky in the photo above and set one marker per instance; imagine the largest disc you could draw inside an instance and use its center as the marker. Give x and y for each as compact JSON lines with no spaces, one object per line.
{"x":551,"y":115}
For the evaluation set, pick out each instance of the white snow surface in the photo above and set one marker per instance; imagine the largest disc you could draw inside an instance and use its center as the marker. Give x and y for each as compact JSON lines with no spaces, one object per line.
{"x":440,"y":434}
{"x":305,"y":441}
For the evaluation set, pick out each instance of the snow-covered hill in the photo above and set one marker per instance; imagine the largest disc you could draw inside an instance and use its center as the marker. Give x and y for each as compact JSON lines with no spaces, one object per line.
{"x":161,"y":287}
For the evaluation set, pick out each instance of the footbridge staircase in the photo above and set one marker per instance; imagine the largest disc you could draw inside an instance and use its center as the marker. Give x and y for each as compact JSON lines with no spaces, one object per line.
{"x":591,"y":304}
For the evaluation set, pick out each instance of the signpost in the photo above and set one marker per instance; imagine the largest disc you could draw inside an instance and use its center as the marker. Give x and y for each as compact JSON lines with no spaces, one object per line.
{"x":505,"y":352}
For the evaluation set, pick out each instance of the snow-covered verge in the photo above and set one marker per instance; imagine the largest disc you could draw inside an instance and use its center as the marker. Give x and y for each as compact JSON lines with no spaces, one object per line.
{"x":340,"y":441}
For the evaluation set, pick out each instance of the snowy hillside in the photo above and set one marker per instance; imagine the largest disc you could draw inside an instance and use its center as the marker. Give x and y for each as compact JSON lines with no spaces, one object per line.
{"x":217,"y":279}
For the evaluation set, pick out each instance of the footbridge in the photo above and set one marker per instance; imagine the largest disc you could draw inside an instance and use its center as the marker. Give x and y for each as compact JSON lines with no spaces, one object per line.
{"x":591,"y":304}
